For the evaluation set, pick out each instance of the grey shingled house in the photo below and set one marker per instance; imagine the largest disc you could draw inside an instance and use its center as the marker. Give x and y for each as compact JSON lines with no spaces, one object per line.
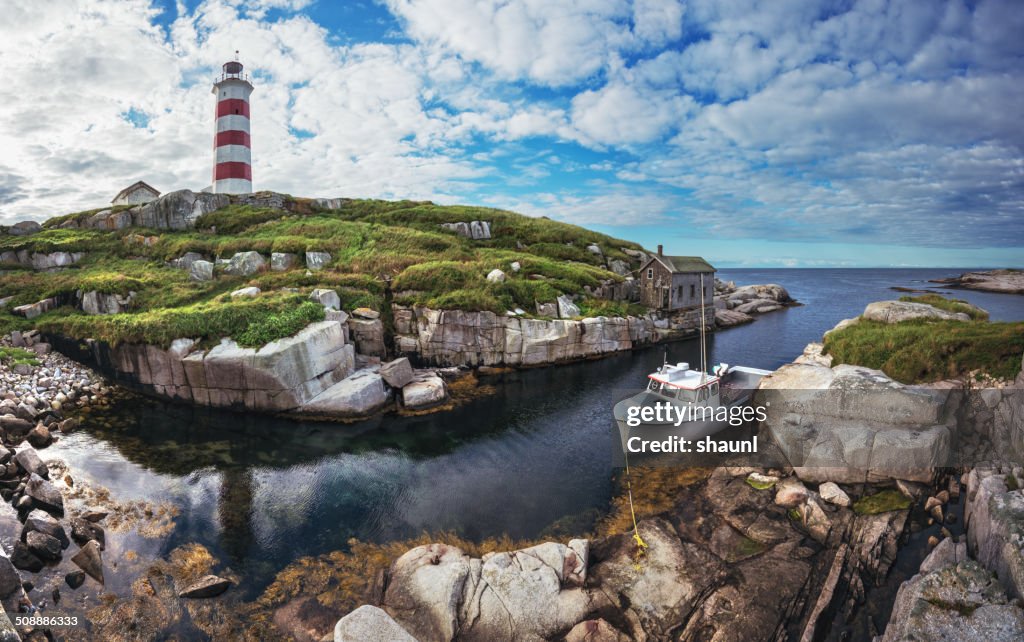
{"x":674,"y":282}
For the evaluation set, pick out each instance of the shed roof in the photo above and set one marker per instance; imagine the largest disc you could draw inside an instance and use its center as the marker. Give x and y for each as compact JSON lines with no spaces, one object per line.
{"x":134,"y":186}
{"x":681,"y":264}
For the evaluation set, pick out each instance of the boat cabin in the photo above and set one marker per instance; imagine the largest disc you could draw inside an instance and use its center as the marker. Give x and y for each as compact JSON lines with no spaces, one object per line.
{"x":682,"y":384}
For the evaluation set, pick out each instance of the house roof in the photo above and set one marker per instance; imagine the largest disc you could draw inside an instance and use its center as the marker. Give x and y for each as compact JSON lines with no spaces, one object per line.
{"x":680,"y":264}
{"x":134,"y":186}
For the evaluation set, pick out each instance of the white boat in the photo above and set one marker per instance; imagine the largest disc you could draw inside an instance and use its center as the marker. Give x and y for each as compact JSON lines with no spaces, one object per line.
{"x":684,"y":403}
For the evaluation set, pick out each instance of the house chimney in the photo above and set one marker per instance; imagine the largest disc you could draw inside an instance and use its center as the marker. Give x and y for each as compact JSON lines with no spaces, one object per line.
{"x":659,"y":251}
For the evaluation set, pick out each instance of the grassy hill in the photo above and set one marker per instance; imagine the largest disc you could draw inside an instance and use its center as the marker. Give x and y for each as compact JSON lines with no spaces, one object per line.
{"x":372,"y":243}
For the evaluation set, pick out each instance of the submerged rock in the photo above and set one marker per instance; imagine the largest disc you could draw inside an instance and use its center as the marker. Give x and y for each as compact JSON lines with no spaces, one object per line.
{"x":10,"y":579}
{"x":206,"y":586}
{"x":83,"y":531}
{"x":74,"y":579}
{"x":90,"y":560}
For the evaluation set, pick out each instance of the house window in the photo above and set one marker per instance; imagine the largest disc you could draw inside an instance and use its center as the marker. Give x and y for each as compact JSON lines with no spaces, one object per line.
{"x":693,"y":290}
{"x":650,"y":273}
{"x":679,"y":293}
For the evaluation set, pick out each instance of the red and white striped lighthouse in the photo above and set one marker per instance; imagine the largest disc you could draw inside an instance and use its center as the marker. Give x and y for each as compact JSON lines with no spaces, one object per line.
{"x":232,"y":149}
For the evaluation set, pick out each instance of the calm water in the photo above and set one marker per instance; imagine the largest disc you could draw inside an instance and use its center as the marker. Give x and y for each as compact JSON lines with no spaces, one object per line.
{"x":533,"y":458}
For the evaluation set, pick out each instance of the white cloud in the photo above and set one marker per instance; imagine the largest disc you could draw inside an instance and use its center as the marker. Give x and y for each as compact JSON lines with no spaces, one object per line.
{"x":791,"y":119}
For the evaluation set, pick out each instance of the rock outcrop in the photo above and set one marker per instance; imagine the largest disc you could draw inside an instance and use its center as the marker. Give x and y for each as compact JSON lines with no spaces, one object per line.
{"x":458,"y":338}
{"x":437,"y":592}
{"x":994,"y":516}
{"x":735,"y":305}
{"x":40,"y":260}
{"x":94,"y":302}
{"x":476,"y":230}
{"x":174,"y":210}
{"x":954,"y":602}
{"x":725,"y":564}
{"x":1003,"y":281}
{"x":280,"y":376}
{"x":852,"y":424}
{"x":897,"y":311}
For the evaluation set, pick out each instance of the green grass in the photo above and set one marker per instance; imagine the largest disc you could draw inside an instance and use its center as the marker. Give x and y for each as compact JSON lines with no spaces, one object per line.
{"x":18,"y":356}
{"x":604,"y":308}
{"x":881,"y":502}
{"x":251,"y":322}
{"x":950,"y":305}
{"x":919,"y":351}
{"x":372,"y":243}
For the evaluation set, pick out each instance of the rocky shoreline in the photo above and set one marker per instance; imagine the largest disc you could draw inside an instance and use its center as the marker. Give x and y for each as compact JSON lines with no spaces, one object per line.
{"x":1002,"y":281}
{"x":771,"y":554}
{"x":338,"y":368}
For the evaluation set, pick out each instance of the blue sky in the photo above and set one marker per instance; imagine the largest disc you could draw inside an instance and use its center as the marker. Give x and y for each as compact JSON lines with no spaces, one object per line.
{"x":781,"y":133}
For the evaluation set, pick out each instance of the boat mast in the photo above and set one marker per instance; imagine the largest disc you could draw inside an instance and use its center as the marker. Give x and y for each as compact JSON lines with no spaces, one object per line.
{"x":703,"y":347}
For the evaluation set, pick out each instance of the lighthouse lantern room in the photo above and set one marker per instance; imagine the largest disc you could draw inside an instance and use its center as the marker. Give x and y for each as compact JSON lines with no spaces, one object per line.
{"x":232,"y":148}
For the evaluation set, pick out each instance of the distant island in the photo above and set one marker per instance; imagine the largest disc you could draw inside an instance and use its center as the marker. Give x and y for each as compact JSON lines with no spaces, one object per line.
{"x":1006,"y":281}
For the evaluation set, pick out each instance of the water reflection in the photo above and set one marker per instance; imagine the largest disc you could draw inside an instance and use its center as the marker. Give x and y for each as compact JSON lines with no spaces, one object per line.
{"x":533,"y":458}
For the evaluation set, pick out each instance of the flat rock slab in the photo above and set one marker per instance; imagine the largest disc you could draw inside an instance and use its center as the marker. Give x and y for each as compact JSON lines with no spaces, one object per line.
{"x":358,"y":395}
{"x":207,"y":586}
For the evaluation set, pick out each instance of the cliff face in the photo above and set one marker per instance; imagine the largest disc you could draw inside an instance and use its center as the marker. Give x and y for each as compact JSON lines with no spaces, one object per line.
{"x":278,"y":377}
{"x":315,"y":371}
{"x":457,"y":338}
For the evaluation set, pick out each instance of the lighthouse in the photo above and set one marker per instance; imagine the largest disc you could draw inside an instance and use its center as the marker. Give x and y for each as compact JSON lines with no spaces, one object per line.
{"x":232,"y":149}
